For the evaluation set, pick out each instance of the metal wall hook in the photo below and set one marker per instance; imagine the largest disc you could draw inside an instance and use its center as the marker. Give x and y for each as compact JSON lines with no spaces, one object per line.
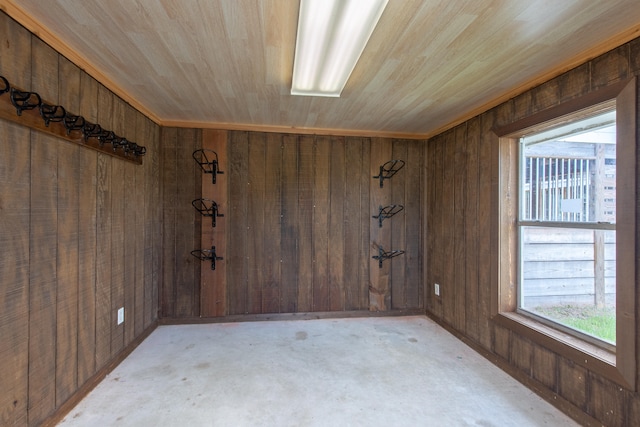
{"x":207,"y":207}
{"x":72,"y":122}
{"x":6,"y":86}
{"x":140,"y":150}
{"x":207,"y":255}
{"x":119,"y":142}
{"x":389,"y":169}
{"x":208,"y":162}
{"x":387,"y":212}
{"x":382,"y":255}
{"x":24,"y":100}
{"x":107,"y":137}
{"x":52,"y":113}
{"x":91,"y":130}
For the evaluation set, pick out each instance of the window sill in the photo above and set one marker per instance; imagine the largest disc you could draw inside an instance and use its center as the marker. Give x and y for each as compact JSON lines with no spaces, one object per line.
{"x":583,"y":353}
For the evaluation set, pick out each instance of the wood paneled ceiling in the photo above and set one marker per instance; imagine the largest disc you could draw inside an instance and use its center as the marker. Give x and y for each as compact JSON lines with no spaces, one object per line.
{"x":228,"y":63}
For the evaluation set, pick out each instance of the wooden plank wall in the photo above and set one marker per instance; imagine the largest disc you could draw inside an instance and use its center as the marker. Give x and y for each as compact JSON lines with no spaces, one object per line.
{"x":461,"y":205}
{"x":298,"y":224}
{"x":79,"y":237}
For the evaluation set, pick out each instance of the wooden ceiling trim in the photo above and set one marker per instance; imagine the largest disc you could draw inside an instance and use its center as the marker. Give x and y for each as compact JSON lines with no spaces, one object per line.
{"x":290,"y":129}
{"x":23,"y":18}
{"x":604,"y":47}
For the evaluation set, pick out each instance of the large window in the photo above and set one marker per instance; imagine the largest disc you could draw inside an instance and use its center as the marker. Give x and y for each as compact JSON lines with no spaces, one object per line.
{"x":566,"y":220}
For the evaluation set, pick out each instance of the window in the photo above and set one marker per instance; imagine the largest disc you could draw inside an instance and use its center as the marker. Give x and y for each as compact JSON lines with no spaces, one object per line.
{"x":567,"y":230}
{"x":566,"y":227}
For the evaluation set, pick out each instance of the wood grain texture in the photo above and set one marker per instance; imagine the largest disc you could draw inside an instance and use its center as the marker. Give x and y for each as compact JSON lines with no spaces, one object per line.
{"x":336,"y":226}
{"x":305,"y":220}
{"x":67,"y":273}
{"x":168,"y":296}
{"x":414,"y":223}
{"x":459,"y":216}
{"x":290,"y":227}
{"x":187,"y":238}
{"x":213,"y":283}
{"x":87,"y":269}
{"x":321,"y":206}
{"x":237,"y":256}
{"x":397,"y":224}
{"x":492,"y":51}
{"x":43,"y":228}
{"x":354,"y":225}
{"x":256,"y":222}
{"x":15,"y":198}
{"x":271,"y":280}
{"x":379,"y":286}
{"x":42,"y":279}
{"x":472,"y":228}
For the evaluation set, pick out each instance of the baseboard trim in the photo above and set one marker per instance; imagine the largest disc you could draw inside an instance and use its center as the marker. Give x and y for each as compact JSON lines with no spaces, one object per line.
{"x":289,"y":316}
{"x":92,"y":382}
{"x":556,"y":400}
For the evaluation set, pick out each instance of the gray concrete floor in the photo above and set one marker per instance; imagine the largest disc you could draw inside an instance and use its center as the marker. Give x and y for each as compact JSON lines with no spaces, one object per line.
{"x":390,"y":371}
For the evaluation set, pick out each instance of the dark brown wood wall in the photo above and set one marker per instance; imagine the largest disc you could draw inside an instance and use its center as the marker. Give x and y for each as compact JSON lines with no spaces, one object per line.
{"x":79,"y":237}
{"x":462,"y":231}
{"x":298,"y":221}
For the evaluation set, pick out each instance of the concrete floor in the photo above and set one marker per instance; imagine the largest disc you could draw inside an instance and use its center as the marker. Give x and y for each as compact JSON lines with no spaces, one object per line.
{"x":393,"y":371}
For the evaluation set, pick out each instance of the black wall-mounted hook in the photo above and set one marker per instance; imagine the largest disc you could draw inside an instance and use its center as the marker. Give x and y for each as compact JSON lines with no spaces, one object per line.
{"x":207,"y":255}
{"x":91,"y":130}
{"x":208,"y":161}
{"x":387,"y":212}
{"x":72,"y":122}
{"x":389,"y":169}
{"x":382,"y":255}
{"x":107,"y":137}
{"x":24,"y":100}
{"x":52,"y":113}
{"x":140,"y":150}
{"x":6,"y":86}
{"x":208,"y":208}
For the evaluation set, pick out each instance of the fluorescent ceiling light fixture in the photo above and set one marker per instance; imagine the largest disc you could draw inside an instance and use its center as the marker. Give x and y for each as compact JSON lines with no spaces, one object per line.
{"x":331,"y":37}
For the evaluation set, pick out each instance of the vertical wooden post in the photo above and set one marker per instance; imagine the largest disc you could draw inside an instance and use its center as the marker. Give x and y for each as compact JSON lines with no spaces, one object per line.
{"x":598,"y":235}
{"x":379,"y":286}
{"x":214,"y":282}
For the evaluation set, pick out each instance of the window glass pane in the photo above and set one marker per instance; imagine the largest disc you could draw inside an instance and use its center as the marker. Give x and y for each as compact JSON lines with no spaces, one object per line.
{"x":568,"y":174}
{"x":568,"y":275}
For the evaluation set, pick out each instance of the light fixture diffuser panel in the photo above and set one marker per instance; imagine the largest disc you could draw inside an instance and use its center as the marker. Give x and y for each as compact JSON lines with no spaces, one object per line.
{"x":331,"y":37}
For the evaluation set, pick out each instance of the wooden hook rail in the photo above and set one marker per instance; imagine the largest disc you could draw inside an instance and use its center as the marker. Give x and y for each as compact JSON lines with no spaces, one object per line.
{"x":29,"y":109}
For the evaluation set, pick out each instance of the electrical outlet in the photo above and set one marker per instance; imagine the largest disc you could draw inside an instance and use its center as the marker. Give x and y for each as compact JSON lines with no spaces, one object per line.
{"x":120,"y":315}
{"x":436,"y":289}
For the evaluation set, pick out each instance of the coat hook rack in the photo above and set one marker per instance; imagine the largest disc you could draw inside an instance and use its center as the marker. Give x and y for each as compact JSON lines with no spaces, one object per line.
{"x":382,"y":255}
{"x":62,"y":123}
{"x":208,"y":208}
{"x":24,"y":100}
{"x":207,"y":255}
{"x":389,"y":169}
{"x":208,"y":162}
{"x":387,"y":212}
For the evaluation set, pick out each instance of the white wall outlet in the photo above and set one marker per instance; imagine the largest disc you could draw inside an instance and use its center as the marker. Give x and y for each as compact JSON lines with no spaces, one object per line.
{"x":436,"y":289}
{"x":120,"y":315}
